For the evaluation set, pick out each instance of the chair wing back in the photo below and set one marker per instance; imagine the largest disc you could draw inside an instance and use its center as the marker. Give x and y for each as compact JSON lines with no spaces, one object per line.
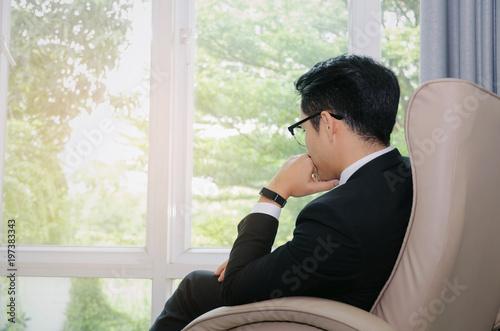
{"x":448,"y":273}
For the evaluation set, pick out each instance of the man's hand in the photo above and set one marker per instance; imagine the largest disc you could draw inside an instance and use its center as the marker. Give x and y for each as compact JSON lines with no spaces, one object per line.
{"x":220,"y":271}
{"x":297,"y":178}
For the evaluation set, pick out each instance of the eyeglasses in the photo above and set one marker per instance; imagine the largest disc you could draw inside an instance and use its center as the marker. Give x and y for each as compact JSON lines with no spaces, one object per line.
{"x":300,"y":135}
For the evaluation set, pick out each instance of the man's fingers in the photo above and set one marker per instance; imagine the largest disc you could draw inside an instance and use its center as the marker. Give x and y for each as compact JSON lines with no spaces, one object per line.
{"x":221,"y":268}
{"x":221,"y":277}
{"x":324,"y":186}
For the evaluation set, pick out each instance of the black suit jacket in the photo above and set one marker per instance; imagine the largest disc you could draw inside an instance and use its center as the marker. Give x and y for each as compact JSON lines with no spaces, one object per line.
{"x":344,"y":245}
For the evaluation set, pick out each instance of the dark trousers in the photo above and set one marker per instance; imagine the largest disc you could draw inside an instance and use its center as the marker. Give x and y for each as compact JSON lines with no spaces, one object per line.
{"x":198,"y":293}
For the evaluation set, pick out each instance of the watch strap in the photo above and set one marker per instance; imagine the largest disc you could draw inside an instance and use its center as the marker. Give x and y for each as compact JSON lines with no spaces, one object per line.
{"x":273,"y":196}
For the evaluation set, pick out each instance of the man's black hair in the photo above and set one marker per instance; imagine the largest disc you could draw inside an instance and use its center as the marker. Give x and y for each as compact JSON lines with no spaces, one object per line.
{"x":363,"y":91}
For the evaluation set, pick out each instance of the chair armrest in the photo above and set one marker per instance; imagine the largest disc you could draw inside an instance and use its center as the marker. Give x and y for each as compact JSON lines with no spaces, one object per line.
{"x":497,"y":323}
{"x":314,"y":312}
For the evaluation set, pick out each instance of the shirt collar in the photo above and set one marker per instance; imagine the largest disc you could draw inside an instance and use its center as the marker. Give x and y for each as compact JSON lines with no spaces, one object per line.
{"x":347,"y":173}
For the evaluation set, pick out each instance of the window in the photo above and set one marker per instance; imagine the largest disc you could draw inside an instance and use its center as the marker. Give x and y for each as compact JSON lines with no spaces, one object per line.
{"x":76,"y":129}
{"x":139,"y":131}
{"x":400,"y":40}
{"x":57,"y":303}
{"x":247,"y":56}
{"x":75,"y":162}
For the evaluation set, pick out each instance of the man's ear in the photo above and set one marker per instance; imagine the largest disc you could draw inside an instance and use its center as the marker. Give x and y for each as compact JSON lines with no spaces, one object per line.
{"x":331,"y":124}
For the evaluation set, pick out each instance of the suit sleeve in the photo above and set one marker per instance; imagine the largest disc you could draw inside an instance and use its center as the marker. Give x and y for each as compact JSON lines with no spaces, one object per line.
{"x":319,"y":261}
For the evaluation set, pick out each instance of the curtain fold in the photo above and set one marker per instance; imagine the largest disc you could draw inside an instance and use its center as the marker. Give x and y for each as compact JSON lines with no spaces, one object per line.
{"x":459,"y":39}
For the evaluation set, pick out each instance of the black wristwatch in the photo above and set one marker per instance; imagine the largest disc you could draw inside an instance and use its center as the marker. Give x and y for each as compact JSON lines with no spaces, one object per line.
{"x":271,"y":195}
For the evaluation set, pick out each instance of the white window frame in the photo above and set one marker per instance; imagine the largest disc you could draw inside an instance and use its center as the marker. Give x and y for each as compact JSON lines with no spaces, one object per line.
{"x":364,"y":39}
{"x":364,"y":28}
{"x":167,"y":254}
{"x":4,"y":76}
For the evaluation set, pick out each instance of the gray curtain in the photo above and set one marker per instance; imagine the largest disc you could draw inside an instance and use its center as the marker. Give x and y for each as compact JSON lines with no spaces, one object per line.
{"x":459,"y":39}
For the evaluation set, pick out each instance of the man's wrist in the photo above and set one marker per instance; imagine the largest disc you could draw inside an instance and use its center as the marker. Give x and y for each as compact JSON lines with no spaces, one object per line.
{"x":277,"y":186}
{"x":272,"y":196}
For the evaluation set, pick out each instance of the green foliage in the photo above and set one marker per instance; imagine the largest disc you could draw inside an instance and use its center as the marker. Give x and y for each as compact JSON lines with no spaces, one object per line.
{"x":63,"y":51}
{"x":248,"y":56}
{"x":21,"y":317}
{"x":400,"y":52}
{"x":106,"y":221}
{"x":89,"y":310}
{"x":19,"y":322}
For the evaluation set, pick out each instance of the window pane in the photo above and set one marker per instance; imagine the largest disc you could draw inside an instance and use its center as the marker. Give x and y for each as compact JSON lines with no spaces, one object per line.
{"x":248,"y":54}
{"x":78,"y":304}
{"x":76,"y":162}
{"x":400,"y":52}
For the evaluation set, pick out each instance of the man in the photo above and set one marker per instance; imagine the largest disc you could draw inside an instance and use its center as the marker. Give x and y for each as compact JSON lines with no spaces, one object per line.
{"x":345,"y":242}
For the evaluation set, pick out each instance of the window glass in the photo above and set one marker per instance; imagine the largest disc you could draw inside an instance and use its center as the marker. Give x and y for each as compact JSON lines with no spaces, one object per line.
{"x":76,"y":130}
{"x":248,"y":55}
{"x":400,"y":52}
{"x":77,"y":304}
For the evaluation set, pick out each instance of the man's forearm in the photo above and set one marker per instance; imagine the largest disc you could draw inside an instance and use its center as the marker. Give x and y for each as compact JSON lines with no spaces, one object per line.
{"x":256,"y":234}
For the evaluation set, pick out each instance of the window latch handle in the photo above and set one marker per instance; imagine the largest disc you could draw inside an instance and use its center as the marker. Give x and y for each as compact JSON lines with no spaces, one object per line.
{"x":186,"y":36}
{"x":5,"y":50}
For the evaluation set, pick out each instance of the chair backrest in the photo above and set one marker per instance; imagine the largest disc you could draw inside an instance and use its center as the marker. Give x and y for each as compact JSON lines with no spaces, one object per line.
{"x":448,"y":272}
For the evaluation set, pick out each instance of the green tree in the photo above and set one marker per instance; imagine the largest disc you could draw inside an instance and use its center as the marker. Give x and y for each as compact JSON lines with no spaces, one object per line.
{"x":112,"y":213}
{"x":63,"y":50}
{"x":19,"y":322}
{"x":248,"y":56}
{"x":400,"y":52}
{"x":89,"y":310}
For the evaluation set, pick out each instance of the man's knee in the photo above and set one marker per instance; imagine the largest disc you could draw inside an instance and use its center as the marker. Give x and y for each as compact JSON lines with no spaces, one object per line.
{"x":200,"y":283}
{"x":199,"y":280}
{"x":202,"y":289}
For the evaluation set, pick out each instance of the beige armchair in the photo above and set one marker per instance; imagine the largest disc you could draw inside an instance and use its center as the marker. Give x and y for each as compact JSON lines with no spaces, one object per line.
{"x":447,"y":276}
